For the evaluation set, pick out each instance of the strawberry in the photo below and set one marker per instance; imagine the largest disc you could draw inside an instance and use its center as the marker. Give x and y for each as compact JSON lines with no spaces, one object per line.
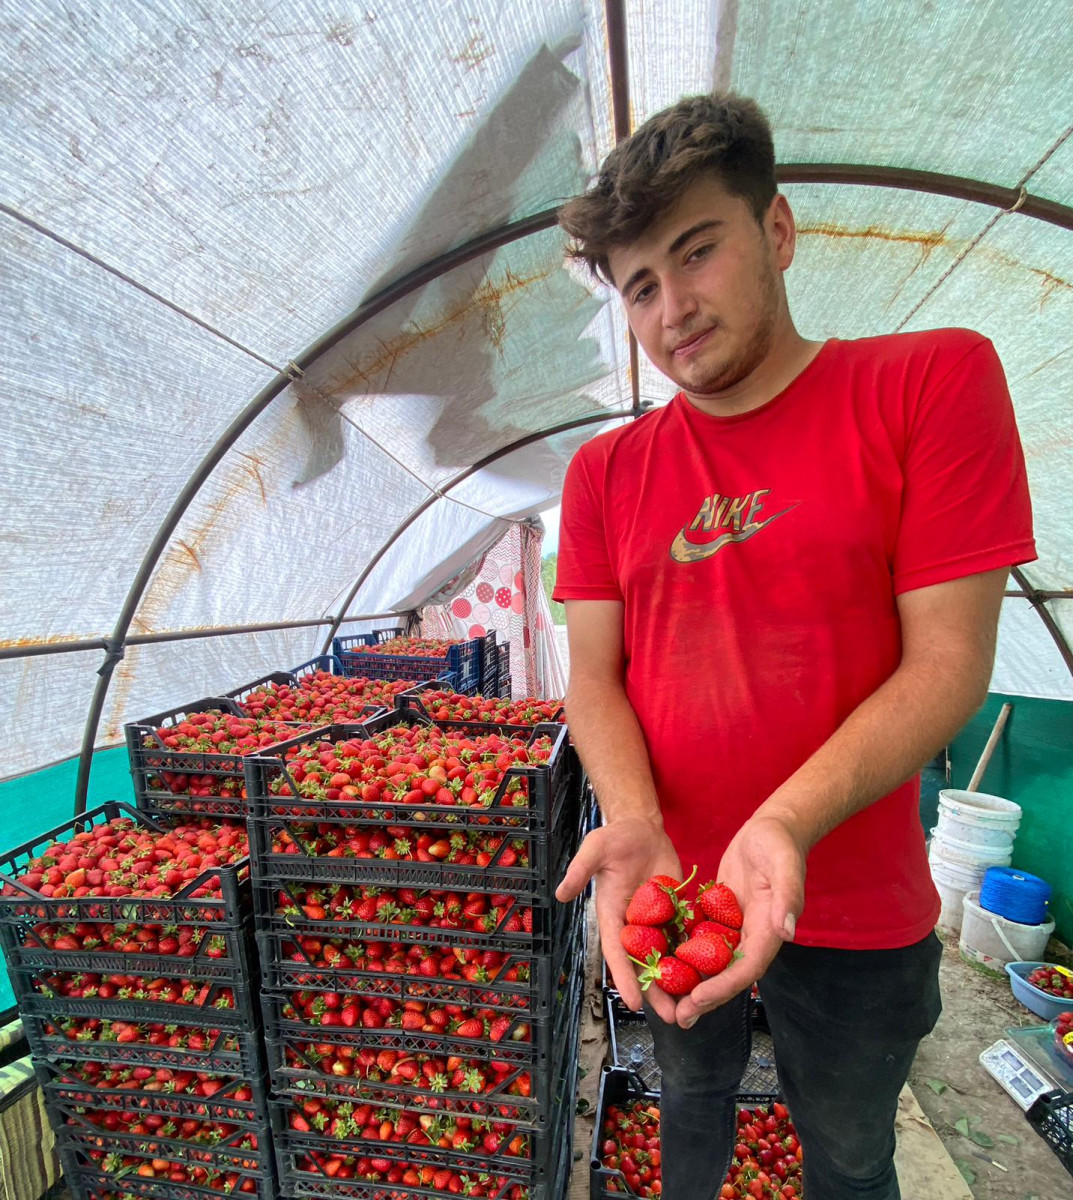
{"x":675,"y":977}
{"x":651,"y":905}
{"x":713,"y":929}
{"x":718,"y":903}
{"x":706,"y":955}
{"x":639,"y":941}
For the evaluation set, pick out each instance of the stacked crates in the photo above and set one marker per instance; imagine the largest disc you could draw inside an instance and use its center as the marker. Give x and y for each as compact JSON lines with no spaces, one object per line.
{"x":140,"y":1009}
{"x":421,"y":986}
{"x":459,"y":665}
{"x":503,"y":671}
{"x":169,"y":779}
{"x":489,"y":665}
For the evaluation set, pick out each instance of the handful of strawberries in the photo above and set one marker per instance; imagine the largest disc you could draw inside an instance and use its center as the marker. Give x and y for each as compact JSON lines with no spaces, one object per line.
{"x":679,"y":942}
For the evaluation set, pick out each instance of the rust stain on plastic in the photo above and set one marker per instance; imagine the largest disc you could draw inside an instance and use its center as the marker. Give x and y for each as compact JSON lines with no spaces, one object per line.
{"x":186,"y":556}
{"x":926,"y":239}
{"x":254,"y":468}
{"x":487,"y":302}
{"x":475,"y":52}
{"x":191,"y":552}
{"x":50,"y":639}
{"x":1051,"y":284}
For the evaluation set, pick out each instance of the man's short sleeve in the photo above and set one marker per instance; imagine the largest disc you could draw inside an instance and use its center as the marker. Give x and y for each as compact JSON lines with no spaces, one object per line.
{"x":584,"y":566}
{"x":965,"y":502}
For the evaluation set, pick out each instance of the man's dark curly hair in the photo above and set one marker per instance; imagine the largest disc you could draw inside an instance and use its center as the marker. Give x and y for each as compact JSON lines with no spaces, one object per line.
{"x":722,"y":135}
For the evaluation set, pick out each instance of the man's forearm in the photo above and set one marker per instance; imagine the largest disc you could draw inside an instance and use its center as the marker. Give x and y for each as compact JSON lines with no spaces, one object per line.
{"x":608,"y":738}
{"x":883,"y":742}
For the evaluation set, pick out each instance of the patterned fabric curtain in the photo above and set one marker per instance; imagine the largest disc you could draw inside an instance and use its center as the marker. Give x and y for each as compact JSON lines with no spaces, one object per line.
{"x":506,"y":595}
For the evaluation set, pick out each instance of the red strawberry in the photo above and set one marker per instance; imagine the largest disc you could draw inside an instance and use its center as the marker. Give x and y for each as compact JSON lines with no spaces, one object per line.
{"x":719,"y":903}
{"x":675,"y":977}
{"x":706,"y":955}
{"x":713,"y":929}
{"x":640,"y":941}
{"x":652,"y":905}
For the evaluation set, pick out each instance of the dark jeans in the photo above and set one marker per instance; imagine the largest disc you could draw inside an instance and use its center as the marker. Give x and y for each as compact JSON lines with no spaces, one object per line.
{"x":846,"y":1025}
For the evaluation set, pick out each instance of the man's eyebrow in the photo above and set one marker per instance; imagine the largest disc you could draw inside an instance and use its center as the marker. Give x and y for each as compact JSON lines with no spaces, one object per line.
{"x":676,"y":245}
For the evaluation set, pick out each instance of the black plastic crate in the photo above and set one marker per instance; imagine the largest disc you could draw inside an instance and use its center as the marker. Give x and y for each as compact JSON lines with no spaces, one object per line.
{"x":548,"y":854}
{"x":232,"y":1152}
{"x":416,"y":698}
{"x":533,"y":996}
{"x":621,"y":1086}
{"x":539,"y":1166}
{"x":503,"y":671}
{"x":89,"y":1180}
{"x":1051,"y":1116}
{"x":297,"y":1070}
{"x":546,"y":785}
{"x":488,"y":684}
{"x":225,"y":1051}
{"x":461,"y":662}
{"x":30,"y":922}
{"x":632,"y":1048}
{"x":279,"y":909}
{"x":67,"y":1093}
{"x":537,"y":1051}
{"x":150,"y":758}
{"x":294,"y":678}
{"x":212,"y":1010}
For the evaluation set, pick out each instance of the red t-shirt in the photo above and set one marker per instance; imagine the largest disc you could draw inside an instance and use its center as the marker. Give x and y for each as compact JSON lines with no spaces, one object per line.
{"x":758,"y":558}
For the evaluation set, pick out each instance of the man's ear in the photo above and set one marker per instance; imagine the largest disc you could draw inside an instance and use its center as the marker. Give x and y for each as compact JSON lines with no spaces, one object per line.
{"x":781,"y":228}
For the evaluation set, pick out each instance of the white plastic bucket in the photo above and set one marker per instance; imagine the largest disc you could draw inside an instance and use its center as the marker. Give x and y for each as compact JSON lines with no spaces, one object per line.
{"x":992,"y":941}
{"x":977,"y":818}
{"x":968,"y":854}
{"x":953,"y":883}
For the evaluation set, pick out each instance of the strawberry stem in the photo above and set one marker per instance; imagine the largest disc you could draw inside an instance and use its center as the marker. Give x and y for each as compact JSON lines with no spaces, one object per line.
{"x":687,"y":878}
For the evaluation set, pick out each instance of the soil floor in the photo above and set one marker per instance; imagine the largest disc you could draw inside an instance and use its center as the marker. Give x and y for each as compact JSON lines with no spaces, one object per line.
{"x":935,"y":1160}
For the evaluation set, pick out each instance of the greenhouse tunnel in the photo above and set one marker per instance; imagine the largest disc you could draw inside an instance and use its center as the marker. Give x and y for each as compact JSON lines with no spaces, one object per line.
{"x":290,"y":341}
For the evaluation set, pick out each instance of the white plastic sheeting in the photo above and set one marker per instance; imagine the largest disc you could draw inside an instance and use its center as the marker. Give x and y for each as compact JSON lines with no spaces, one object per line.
{"x":192,"y":195}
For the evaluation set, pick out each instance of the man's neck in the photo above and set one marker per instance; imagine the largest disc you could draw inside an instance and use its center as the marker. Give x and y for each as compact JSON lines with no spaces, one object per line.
{"x":790,"y":355}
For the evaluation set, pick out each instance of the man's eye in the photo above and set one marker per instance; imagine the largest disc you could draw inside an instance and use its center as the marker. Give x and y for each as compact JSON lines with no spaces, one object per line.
{"x":639,"y":297}
{"x":700,"y":252}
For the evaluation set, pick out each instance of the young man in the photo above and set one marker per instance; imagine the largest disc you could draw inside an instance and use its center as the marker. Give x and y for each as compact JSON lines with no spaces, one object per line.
{"x":782,"y":591}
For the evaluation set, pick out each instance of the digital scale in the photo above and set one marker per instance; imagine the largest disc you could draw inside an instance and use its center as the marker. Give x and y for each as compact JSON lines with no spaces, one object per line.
{"x":1023,"y":1079}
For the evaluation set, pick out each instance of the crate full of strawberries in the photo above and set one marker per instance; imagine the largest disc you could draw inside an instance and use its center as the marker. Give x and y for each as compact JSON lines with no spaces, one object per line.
{"x":445,"y":706}
{"x":404,"y":657}
{"x":190,"y":760}
{"x":113,"y":913}
{"x":116,"y":1172}
{"x":114,"y":888}
{"x":465,"y":1072}
{"x":317,"y":693}
{"x":423,"y":978}
{"x":324,"y":1137}
{"x":402,"y":801}
{"x":626,"y":1154}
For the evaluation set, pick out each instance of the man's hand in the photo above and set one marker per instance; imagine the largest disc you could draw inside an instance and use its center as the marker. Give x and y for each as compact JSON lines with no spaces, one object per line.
{"x":765,"y":866}
{"x":622,"y":855}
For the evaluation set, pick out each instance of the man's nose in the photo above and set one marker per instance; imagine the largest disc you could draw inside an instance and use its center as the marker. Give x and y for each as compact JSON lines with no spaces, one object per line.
{"x":679,"y":304}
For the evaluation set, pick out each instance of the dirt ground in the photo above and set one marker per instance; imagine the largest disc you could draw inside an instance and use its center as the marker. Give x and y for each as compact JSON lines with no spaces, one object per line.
{"x":977,"y":1010}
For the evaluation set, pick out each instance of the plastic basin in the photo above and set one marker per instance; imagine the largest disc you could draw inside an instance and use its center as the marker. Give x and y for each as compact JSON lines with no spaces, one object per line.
{"x":1042,"y":1003}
